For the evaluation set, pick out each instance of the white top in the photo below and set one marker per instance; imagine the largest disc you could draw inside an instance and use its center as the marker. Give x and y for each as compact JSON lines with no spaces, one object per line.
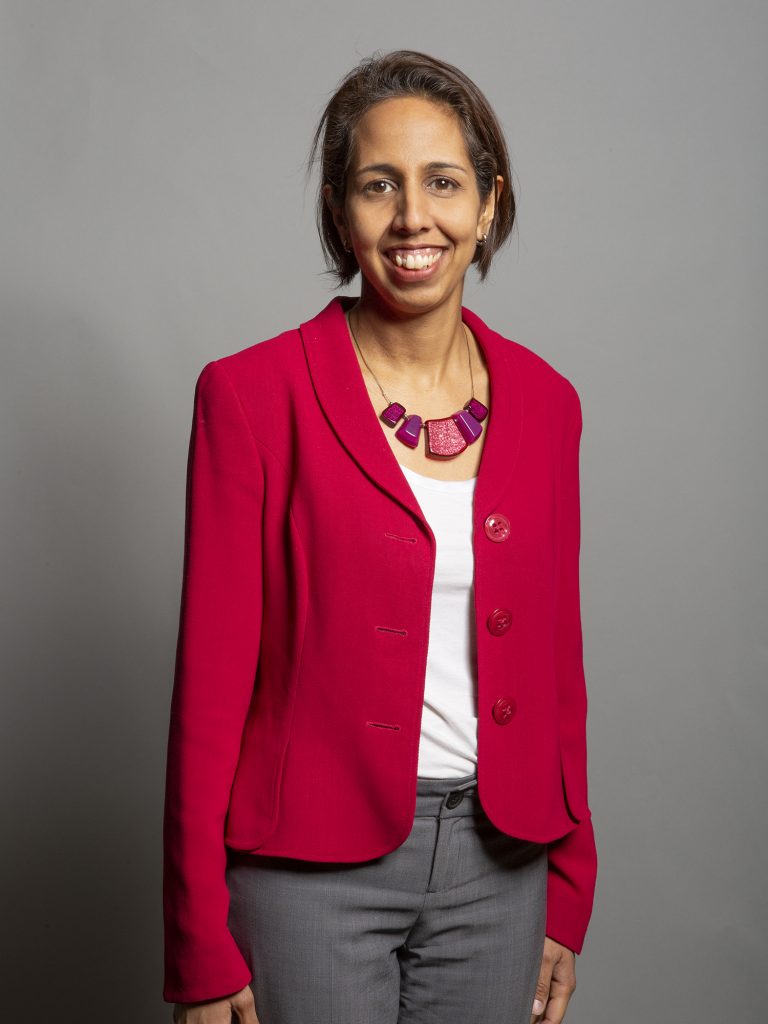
{"x":448,"y":745}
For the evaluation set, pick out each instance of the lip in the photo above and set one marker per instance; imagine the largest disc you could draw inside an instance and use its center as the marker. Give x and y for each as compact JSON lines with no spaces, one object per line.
{"x":402,"y":274}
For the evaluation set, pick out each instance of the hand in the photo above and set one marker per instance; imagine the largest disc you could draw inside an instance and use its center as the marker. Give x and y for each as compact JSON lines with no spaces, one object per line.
{"x":218,"y":1011}
{"x":556,"y":985}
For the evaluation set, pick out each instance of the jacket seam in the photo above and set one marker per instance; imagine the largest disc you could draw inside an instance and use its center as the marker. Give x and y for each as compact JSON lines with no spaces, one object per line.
{"x":235,"y":392}
{"x":257,"y":440}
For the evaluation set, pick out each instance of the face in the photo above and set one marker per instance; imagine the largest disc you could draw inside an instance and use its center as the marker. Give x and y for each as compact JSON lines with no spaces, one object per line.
{"x":411,"y":192}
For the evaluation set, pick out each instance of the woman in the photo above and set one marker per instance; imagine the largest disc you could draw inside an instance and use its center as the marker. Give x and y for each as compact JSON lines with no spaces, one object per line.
{"x":376,"y":794}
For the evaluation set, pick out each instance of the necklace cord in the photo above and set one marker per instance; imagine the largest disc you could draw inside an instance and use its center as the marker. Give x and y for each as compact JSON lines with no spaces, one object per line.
{"x":381,"y":389}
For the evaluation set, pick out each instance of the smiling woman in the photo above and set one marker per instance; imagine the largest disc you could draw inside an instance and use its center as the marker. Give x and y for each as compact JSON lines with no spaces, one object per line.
{"x":395,"y":225}
{"x":376,"y":794}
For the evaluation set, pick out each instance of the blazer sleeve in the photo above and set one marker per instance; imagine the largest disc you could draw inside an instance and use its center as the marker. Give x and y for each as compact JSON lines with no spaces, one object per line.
{"x":216,"y":659}
{"x":572,"y":858}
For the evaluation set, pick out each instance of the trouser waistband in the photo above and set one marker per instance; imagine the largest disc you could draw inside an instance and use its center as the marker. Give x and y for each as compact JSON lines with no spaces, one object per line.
{"x":447,"y":798}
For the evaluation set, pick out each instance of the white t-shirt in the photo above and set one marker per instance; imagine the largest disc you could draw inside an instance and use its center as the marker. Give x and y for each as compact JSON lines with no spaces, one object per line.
{"x":448,"y":745}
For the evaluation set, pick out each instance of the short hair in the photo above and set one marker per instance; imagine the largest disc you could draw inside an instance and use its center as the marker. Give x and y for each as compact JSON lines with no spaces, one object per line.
{"x":408,"y":73}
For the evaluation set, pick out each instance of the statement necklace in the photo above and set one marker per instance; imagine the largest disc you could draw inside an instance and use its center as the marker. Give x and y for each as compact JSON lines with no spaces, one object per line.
{"x":446,"y":437}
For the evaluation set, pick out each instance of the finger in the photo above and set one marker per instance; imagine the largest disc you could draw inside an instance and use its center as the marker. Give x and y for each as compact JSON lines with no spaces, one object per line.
{"x":543,"y":985}
{"x":556,"y":1008}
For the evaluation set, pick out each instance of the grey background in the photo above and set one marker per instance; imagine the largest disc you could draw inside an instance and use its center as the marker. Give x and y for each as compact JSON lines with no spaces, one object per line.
{"x":154,"y":217}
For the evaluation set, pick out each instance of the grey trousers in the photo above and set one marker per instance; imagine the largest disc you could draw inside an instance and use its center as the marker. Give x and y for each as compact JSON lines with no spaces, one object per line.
{"x":446,"y":929}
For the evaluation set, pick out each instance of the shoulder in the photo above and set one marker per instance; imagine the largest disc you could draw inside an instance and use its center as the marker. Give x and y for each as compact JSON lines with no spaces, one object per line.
{"x":543,"y":378}
{"x":273,"y":357}
{"x":258,"y":377}
{"x":259,"y":384}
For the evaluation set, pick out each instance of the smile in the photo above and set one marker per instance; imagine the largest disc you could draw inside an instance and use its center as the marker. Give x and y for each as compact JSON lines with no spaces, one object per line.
{"x":414,"y":259}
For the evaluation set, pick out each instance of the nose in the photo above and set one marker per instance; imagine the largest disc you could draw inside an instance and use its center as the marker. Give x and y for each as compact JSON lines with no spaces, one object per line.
{"x":413,"y":210}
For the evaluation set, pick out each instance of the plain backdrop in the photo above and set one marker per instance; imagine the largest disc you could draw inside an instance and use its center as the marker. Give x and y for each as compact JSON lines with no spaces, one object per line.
{"x":154,"y":216}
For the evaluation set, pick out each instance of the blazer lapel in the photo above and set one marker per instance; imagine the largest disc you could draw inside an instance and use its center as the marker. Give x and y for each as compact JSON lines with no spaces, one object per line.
{"x":342,"y":393}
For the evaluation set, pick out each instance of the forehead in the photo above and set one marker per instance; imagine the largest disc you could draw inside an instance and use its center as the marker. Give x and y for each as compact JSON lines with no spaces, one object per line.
{"x":411,"y":127}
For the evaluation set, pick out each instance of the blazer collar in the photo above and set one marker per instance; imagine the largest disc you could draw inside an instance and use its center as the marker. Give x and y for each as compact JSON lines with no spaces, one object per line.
{"x":342,"y":393}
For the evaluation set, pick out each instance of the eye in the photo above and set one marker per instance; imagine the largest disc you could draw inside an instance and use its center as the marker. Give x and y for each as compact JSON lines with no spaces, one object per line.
{"x":450,"y":182}
{"x":369,"y":187}
{"x":446,"y":185}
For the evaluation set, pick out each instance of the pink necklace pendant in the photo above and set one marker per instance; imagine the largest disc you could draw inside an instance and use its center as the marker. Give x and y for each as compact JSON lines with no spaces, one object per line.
{"x":444,"y":437}
{"x":452,"y":434}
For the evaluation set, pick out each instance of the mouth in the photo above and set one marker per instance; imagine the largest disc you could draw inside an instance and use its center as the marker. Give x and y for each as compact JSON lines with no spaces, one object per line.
{"x":412,"y":266}
{"x":414,"y":259}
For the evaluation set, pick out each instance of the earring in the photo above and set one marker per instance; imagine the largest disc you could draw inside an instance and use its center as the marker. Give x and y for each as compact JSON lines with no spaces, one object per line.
{"x":483,"y":240}
{"x":346,"y":246}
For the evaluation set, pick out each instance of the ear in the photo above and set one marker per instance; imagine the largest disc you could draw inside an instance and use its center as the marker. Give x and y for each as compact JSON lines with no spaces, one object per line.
{"x":489,"y":207}
{"x":337,"y":214}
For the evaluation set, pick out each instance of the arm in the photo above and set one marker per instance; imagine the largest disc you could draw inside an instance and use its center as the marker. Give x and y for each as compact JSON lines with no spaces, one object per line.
{"x":571,"y":886}
{"x":572,"y":858}
{"x":216,"y":660}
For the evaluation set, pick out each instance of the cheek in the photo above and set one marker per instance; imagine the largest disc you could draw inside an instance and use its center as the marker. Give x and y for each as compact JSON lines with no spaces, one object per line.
{"x":367,"y":236}
{"x":460,"y":226}
{"x":367,"y":218}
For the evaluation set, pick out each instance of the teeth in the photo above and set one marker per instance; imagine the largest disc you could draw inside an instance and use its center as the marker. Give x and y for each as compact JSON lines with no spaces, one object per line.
{"x":417,"y":261}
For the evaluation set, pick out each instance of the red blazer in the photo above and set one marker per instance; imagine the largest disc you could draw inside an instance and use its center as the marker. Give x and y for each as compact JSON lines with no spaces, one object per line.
{"x":308,"y":567}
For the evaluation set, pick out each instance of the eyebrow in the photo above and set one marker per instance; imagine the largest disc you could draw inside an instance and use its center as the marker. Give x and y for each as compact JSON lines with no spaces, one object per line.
{"x":434,"y":165}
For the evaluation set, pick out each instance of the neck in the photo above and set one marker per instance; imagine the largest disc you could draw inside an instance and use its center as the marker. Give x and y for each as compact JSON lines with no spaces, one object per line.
{"x":425,"y":348}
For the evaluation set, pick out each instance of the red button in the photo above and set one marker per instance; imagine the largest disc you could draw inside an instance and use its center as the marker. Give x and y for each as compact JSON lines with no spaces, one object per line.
{"x":497,"y":526}
{"x":499,"y":621}
{"x":504,"y":710}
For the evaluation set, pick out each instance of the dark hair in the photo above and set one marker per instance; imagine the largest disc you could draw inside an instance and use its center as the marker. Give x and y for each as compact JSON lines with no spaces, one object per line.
{"x":408,"y":73}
